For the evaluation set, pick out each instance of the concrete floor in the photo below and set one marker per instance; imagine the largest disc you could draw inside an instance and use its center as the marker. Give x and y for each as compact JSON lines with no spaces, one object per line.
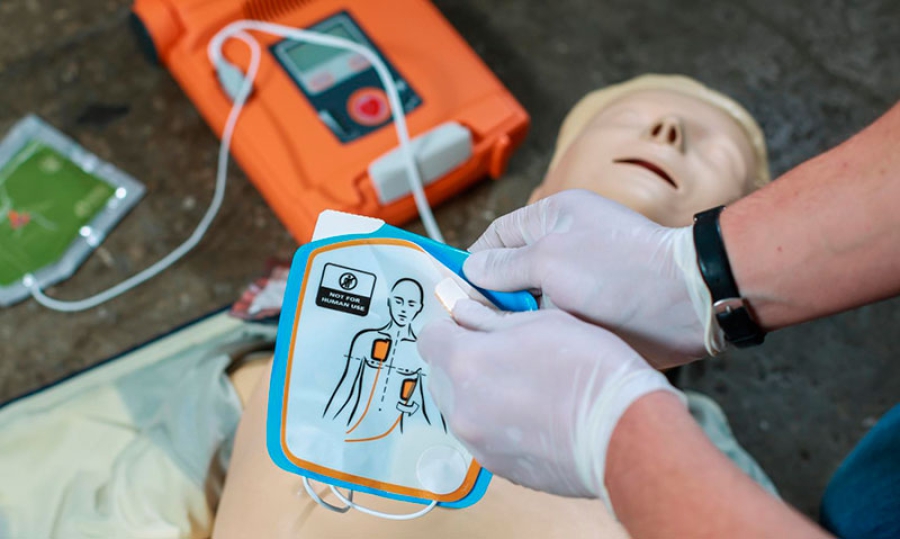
{"x":812,"y":72}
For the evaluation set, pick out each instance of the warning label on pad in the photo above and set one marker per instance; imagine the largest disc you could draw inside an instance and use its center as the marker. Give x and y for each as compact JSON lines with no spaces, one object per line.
{"x":345,"y":289}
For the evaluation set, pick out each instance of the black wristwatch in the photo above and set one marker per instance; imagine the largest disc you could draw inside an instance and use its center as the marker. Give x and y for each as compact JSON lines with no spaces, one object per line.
{"x":730,"y":308}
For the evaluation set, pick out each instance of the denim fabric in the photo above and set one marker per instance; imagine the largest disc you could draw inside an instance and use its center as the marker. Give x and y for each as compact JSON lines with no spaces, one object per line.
{"x":863,"y":498}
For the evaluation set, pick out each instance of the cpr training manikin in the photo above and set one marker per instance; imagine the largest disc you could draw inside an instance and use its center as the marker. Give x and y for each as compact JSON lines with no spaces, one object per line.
{"x":666,"y":146}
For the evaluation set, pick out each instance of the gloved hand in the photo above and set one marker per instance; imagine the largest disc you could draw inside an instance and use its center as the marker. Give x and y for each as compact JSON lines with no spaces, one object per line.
{"x":608,"y":265}
{"x":534,"y":396}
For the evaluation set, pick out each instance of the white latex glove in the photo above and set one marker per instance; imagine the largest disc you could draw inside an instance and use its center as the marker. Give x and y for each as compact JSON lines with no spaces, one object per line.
{"x":608,"y":265}
{"x":534,"y":396}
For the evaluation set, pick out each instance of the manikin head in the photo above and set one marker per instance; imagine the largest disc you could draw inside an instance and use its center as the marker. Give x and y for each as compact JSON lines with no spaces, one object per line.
{"x":663,"y":145}
{"x":405,"y":301}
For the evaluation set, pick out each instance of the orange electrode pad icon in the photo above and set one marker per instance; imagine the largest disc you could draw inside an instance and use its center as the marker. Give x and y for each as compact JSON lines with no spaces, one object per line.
{"x":380,"y":349}
{"x":406,"y":390}
{"x":316,"y":132}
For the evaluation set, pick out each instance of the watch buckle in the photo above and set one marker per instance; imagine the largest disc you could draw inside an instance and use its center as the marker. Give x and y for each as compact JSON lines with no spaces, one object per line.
{"x":728,"y":305}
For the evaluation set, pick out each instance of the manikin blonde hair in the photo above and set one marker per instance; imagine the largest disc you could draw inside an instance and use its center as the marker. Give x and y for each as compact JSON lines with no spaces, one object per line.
{"x":594,"y":102}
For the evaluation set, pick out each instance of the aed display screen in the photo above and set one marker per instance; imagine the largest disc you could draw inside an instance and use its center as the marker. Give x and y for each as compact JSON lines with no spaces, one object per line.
{"x":306,"y":57}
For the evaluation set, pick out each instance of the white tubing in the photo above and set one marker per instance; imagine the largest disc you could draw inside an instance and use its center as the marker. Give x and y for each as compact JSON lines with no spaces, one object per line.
{"x":388,"y":516}
{"x":318,"y":499}
{"x":202,"y":227}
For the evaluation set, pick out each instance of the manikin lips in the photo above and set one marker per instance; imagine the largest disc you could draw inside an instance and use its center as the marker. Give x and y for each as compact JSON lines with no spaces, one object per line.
{"x":651,"y":167}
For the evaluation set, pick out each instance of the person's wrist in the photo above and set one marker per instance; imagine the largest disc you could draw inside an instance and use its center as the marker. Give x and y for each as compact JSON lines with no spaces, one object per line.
{"x":636,"y":434}
{"x":597,"y":424}
{"x":742,"y":242}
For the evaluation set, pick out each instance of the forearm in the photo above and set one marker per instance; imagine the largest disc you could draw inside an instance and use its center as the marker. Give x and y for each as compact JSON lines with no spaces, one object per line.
{"x":666,"y":479}
{"x":825,"y":237}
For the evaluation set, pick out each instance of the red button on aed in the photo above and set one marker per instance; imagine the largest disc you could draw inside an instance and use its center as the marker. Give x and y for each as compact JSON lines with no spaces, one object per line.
{"x":368,"y":106}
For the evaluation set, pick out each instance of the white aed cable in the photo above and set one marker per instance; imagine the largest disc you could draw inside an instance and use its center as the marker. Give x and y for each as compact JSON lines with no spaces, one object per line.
{"x":239,"y":85}
{"x":318,"y":499}
{"x":389,"y":516}
{"x":350,"y":504}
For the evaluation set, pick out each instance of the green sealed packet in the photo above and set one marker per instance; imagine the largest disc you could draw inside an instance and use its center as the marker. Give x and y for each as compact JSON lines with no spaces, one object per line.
{"x":57,"y":203}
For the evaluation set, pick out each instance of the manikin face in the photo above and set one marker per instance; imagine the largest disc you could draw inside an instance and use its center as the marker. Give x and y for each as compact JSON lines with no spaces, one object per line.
{"x":662,"y":153}
{"x":405,"y":302}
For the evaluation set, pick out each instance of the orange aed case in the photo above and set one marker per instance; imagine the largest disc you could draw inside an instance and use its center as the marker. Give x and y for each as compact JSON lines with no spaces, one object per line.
{"x":318,"y":118}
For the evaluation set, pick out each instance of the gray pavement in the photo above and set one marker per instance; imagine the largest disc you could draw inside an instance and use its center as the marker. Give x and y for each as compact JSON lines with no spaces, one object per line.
{"x":812,"y":72}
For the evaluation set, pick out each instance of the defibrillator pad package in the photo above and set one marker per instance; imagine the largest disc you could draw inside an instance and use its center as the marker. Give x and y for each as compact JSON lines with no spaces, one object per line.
{"x":349,"y":404}
{"x":57,"y":203}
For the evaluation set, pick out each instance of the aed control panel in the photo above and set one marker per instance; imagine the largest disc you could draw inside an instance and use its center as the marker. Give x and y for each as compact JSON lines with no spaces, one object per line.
{"x":341,"y":85}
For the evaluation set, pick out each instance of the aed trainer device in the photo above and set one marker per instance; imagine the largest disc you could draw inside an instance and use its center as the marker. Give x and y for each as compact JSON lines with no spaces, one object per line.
{"x":316,"y":132}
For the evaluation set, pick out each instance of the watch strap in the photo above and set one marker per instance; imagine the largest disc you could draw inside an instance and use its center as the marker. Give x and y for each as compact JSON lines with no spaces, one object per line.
{"x":729,"y":307}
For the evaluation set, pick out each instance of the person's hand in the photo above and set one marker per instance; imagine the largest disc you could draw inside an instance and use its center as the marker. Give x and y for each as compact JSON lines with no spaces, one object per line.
{"x":608,"y":265}
{"x":535,"y":396}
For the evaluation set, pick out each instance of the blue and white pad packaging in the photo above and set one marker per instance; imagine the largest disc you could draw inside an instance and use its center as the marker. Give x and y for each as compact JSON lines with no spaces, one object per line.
{"x":349,"y":404}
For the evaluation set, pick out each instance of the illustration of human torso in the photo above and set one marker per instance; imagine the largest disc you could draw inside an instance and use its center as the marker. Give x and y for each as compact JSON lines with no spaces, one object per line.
{"x":382,"y":387}
{"x":356,"y":406}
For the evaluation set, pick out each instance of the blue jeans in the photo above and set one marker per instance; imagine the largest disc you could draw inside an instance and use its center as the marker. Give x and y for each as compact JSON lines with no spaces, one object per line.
{"x":863,"y":498}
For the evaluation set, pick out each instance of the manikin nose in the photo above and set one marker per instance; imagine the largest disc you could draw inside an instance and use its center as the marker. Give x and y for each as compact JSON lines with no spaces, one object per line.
{"x":667,"y":130}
